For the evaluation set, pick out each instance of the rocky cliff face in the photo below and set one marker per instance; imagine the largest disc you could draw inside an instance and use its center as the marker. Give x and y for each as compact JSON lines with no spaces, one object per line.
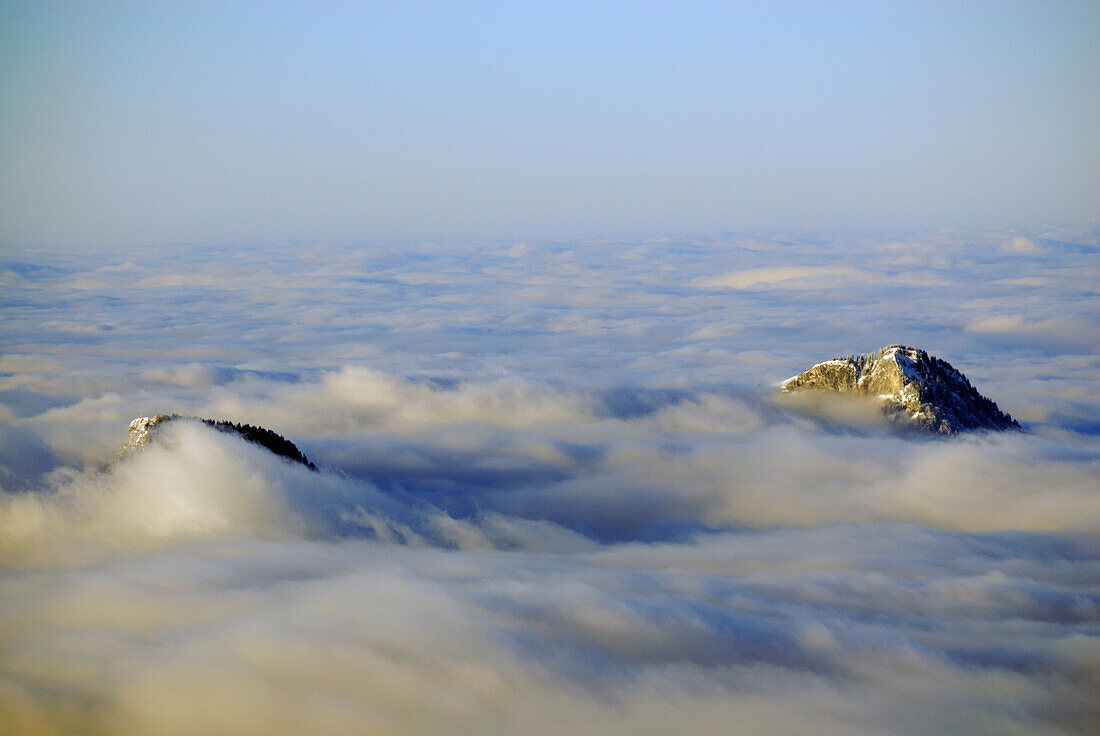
{"x":143,"y":429}
{"x":912,"y":386}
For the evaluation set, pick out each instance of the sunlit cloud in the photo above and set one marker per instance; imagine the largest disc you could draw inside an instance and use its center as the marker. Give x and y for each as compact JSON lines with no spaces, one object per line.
{"x":1020,"y":245}
{"x":556,"y":491}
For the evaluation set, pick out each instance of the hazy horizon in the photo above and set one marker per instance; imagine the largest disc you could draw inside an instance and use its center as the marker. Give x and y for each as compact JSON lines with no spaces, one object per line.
{"x":126,"y":124}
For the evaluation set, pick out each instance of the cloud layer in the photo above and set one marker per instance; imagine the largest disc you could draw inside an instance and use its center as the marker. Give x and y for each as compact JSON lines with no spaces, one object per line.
{"x":556,"y":491}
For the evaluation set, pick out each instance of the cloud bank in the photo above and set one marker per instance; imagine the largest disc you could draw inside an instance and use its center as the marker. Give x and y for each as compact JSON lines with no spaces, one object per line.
{"x":556,"y":492}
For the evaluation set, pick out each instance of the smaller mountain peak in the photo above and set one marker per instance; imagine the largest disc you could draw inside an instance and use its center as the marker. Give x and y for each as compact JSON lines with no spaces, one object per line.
{"x":142,"y":430}
{"x":911,"y":385}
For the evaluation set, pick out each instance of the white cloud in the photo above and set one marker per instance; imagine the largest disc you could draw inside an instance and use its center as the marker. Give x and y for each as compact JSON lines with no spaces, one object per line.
{"x":1020,"y":245}
{"x":555,"y":493}
{"x":176,"y":280}
{"x":186,"y":376}
{"x":196,"y":484}
{"x":280,"y":637}
{"x":357,"y":397}
{"x":788,"y":277}
{"x":997,"y":323}
{"x":818,"y":277}
{"x":1080,"y":332}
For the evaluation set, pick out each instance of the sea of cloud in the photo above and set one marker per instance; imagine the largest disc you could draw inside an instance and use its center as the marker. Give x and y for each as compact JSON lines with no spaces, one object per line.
{"x":556,"y":491}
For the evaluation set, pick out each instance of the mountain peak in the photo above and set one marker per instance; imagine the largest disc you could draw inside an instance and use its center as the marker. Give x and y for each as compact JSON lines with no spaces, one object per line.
{"x":143,"y":429}
{"x":911,"y":385}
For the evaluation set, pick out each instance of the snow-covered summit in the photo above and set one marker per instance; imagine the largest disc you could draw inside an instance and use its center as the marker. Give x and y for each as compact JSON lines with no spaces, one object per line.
{"x":912,"y":386}
{"x":142,"y":430}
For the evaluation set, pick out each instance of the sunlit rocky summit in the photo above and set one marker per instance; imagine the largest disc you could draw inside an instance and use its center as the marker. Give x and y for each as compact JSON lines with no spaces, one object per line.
{"x":143,"y":429}
{"x":913,"y":388}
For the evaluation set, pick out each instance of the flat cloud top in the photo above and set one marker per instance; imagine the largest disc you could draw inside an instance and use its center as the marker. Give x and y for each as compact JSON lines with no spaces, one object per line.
{"x":556,"y":492}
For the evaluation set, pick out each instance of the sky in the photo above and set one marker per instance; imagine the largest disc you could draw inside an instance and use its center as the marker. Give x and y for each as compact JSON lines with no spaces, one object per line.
{"x":133,"y":124}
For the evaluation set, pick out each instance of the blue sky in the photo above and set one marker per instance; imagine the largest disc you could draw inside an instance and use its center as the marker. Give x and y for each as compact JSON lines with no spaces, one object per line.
{"x":153,"y":123}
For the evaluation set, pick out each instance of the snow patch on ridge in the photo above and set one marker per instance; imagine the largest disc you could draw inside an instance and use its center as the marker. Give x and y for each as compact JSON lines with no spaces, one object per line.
{"x":911,"y":385}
